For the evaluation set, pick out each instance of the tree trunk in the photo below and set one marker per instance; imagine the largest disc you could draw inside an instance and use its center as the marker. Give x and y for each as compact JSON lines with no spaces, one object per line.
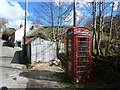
{"x":52,"y":18}
{"x":94,"y":40}
{"x":110,"y":32}
{"x":100,"y":27}
{"x":118,"y":28}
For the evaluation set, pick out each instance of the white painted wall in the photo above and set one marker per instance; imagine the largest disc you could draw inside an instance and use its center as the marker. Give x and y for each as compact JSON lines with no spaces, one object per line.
{"x":20,"y":33}
{"x":42,"y":50}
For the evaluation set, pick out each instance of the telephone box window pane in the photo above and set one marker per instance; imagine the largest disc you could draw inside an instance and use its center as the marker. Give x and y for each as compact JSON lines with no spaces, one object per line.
{"x":83,"y":54}
{"x":69,"y":55}
{"x":82,"y":73}
{"x":69,"y":67}
{"x":69,"y":49}
{"x":82,"y":39}
{"x":82,"y":69}
{"x":69,"y":43}
{"x":82,"y":44}
{"x":83,"y":63}
{"x":83,"y":49}
{"x":83,"y":58}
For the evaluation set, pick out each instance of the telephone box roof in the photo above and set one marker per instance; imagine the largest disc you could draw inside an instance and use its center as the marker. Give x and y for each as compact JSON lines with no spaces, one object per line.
{"x":78,"y":30}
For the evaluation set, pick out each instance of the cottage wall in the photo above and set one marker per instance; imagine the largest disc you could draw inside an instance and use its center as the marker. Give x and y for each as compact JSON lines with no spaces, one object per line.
{"x":42,"y":50}
{"x":19,"y":35}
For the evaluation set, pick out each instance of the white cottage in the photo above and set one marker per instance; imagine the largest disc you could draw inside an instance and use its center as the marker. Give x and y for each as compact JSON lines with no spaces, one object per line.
{"x":19,"y":36}
{"x":39,"y":49}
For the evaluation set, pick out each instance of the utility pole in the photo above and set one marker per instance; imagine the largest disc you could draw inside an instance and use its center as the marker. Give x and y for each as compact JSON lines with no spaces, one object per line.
{"x":26,"y":8}
{"x":74,"y":13}
{"x":58,"y":29}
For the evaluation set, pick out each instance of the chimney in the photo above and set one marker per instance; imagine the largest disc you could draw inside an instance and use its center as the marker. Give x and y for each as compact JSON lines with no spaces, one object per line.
{"x":32,"y":27}
{"x":21,"y":25}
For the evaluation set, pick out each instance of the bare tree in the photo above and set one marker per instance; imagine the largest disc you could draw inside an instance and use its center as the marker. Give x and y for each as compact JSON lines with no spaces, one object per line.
{"x":3,"y":22}
{"x":94,"y":40}
{"x":61,"y":15}
{"x":100,"y":27}
{"x":52,"y":14}
{"x":45,"y":15}
{"x":59,"y":26}
{"x":110,"y":31}
{"x":118,"y":28}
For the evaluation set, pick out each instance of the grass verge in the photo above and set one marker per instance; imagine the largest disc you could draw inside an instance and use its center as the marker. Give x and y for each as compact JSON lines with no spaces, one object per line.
{"x":97,"y":81}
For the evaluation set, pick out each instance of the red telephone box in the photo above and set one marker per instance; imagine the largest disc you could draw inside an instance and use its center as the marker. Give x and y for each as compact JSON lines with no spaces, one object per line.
{"x":79,"y":59}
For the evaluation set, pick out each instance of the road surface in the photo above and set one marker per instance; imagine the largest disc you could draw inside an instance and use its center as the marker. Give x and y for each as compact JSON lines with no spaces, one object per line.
{"x":9,"y":68}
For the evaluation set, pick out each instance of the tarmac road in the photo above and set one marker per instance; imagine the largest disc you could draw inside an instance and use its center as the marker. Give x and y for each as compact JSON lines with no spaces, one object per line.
{"x":10,"y":68}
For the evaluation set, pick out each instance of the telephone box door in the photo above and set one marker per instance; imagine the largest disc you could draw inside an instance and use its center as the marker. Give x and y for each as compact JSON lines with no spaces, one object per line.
{"x":83,"y":62}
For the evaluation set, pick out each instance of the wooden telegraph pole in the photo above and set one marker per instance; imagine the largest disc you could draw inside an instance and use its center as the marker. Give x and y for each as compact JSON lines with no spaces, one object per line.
{"x":74,"y":13}
{"x":24,"y":46}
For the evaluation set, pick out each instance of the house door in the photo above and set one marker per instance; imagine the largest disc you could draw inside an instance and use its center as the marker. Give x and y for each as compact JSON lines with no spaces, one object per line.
{"x":19,"y":43}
